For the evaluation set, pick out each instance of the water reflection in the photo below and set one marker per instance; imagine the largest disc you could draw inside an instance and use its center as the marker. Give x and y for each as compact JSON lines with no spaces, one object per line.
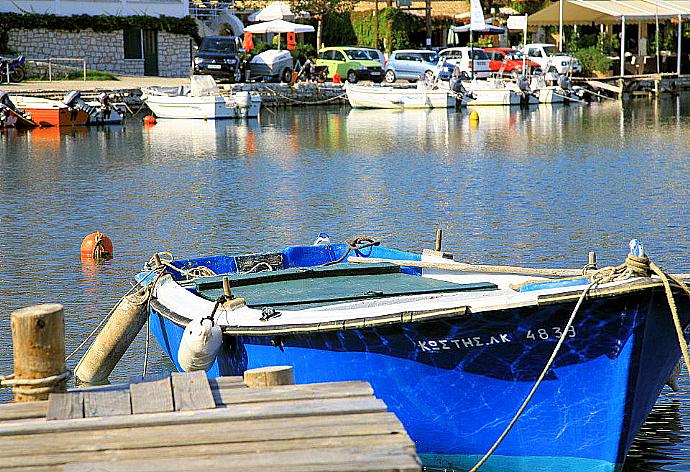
{"x":537,"y":186}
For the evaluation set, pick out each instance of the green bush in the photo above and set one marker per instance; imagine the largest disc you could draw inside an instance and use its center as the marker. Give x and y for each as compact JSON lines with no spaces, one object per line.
{"x":592,"y":59}
{"x":303,"y":52}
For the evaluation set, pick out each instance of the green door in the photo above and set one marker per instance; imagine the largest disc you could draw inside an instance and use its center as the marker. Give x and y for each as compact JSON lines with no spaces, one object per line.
{"x":150,"y":52}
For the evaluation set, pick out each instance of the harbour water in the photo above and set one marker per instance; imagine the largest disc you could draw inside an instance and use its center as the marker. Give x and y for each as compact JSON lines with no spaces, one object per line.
{"x":538,"y":187}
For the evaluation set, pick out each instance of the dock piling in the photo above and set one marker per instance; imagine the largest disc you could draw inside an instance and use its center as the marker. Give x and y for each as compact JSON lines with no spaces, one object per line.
{"x":38,"y":337}
{"x":269,"y":376}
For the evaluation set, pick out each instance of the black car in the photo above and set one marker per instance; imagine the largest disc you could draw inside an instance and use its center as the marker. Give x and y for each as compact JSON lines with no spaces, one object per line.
{"x":217,"y":56}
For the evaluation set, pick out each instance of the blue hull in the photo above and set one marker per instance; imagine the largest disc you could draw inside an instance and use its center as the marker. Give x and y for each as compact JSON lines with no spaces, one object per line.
{"x":455,"y":384}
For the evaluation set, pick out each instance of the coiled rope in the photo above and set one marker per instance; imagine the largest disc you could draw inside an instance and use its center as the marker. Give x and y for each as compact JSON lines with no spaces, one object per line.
{"x":42,"y":385}
{"x":356,"y":244}
{"x":166,"y":259}
{"x":634,"y":266}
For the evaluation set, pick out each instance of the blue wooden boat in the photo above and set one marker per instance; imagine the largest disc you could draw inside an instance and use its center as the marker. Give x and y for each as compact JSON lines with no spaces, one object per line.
{"x":452,"y":353}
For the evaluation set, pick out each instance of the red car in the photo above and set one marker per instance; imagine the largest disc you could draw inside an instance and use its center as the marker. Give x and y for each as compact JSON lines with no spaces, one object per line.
{"x":509,"y":60}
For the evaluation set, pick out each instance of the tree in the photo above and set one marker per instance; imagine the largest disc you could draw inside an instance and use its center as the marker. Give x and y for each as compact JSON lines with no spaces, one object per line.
{"x":320,"y":8}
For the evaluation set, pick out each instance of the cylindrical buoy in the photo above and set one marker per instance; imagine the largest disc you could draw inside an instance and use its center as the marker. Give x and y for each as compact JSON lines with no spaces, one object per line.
{"x":149,"y":120}
{"x":474,"y":116}
{"x":38,"y":338}
{"x":199,"y":346}
{"x":336,"y":78}
{"x":96,"y":246}
{"x":112,"y":342}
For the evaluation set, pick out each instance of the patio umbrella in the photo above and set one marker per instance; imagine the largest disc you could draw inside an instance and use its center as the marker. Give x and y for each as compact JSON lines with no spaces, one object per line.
{"x":274,"y":11}
{"x":279,"y":26}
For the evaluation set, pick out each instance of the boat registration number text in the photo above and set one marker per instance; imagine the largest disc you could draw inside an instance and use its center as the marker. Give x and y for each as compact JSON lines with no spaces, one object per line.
{"x":538,"y":334}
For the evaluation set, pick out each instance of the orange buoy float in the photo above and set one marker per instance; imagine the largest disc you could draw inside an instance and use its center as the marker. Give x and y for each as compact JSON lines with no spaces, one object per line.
{"x":96,"y":246}
{"x":336,"y":78}
{"x":149,"y":120}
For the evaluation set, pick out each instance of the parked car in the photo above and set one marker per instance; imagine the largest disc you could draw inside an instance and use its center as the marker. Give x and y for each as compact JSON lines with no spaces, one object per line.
{"x":473,"y":61}
{"x":410,"y":64}
{"x":550,"y":59}
{"x":376,"y":55}
{"x":217,"y":56}
{"x":509,"y":61}
{"x":350,"y":63}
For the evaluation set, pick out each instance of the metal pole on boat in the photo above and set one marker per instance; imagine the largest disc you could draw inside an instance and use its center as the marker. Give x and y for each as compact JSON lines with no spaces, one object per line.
{"x":622,"y":47}
{"x":592,"y":259}
{"x":524,"y":41}
{"x":560,"y":25}
{"x":38,"y":341}
{"x":439,"y":238}
{"x":680,"y":36}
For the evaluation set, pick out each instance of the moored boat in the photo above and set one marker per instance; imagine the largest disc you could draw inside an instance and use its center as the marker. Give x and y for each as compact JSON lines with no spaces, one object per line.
{"x":47,"y":112}
{"x":381,"y":96}
{"x":452,"y":349}
{"x":202,"y":100}
{"x":11,"y":116}
{"x":492,"y":92}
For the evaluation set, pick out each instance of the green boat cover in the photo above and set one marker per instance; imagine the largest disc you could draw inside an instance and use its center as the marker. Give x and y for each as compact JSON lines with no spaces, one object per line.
{"x":299,"y":288}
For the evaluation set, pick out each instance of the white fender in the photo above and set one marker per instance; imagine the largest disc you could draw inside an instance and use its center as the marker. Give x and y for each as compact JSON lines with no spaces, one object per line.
{"x":199,"y":346}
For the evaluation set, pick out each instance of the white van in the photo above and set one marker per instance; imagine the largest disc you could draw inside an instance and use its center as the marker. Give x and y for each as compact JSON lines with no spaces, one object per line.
{"x":469,"y":60}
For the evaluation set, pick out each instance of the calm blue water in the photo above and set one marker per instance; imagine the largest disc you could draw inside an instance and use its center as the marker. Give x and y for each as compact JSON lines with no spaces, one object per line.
{"x":539,"y":187}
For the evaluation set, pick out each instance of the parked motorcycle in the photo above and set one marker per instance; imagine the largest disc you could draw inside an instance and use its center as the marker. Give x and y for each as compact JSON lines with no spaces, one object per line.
{"x":15,"y":67}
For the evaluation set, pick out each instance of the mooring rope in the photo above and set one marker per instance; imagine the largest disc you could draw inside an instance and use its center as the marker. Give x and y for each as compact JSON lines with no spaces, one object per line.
{"x":35,"y":386}
{"x":538,"y":382}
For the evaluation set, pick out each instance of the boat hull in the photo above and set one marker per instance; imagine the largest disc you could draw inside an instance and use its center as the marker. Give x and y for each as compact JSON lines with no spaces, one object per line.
{"x":493,"y":97}
{"x":205,"y":108}
{"x":367,"y":96}
{"x":455,"y":384}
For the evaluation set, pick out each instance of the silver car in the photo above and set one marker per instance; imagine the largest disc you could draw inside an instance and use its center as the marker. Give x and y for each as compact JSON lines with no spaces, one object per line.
{"x":411,"y":64}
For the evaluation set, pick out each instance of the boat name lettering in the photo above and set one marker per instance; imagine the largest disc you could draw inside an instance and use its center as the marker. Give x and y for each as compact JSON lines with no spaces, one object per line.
{"x":431,"y":345}
{"x":554,"y":332}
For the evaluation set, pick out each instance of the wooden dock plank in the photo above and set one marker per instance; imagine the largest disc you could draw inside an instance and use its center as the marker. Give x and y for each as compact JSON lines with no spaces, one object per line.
{"x":209,"y":433}
{"x":191,"y":391}
{"x":376,"y":439}
{"x":105,"y":403}
{"x":235,"y":396}
{"x":152,"y":397}
{"x":20,"y":411}
{"x":399,"y":458}
{"x":257,"y":411}
{"x":65,"y":406}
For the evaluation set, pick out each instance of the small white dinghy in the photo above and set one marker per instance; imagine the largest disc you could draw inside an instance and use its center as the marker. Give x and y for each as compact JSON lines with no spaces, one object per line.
{"x":381,"y":96}
{"x":492,"y":92}
{"x":202,"y":100}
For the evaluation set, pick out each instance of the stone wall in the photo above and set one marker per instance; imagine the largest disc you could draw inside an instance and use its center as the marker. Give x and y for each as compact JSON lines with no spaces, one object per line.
{"x":102,"y":51}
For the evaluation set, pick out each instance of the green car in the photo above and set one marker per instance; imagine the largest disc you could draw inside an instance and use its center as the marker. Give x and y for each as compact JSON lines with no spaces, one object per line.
{"x":350,"y":63}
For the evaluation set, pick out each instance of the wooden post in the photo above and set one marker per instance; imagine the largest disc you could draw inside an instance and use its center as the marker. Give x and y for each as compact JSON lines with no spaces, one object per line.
{"x":439,"y":239}
{"x":269,"y":376}
{"x":226,"y":288}
{"x":38,"y":339}
{"x":592,"y":259}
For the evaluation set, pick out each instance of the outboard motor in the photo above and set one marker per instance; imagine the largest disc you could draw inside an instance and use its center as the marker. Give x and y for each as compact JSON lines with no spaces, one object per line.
{"x":564,"y":83}
{"x":73,"y":100}
{"x":97,"y":114}
{"x":525,"y":90}
{"x":9,"y":111}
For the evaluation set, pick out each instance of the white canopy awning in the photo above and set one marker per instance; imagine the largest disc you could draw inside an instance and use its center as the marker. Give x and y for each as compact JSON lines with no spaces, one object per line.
{"x":578,"y":12}
{"x":279,"y":26}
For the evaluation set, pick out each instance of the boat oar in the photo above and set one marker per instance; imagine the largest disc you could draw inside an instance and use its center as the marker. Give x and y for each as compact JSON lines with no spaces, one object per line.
{"x":463,"y":267}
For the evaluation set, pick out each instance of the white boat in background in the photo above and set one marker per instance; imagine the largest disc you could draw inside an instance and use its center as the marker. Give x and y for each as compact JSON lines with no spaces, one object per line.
{"x":202,"y":100}
{"x":552,"y":90}
{"x":492,"y":92}
{"x":380,"y":96}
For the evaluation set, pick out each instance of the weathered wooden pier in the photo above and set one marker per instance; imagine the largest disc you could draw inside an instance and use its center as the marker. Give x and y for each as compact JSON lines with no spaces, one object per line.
{"x":188,"y":422}
{"x":647,"y":85}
